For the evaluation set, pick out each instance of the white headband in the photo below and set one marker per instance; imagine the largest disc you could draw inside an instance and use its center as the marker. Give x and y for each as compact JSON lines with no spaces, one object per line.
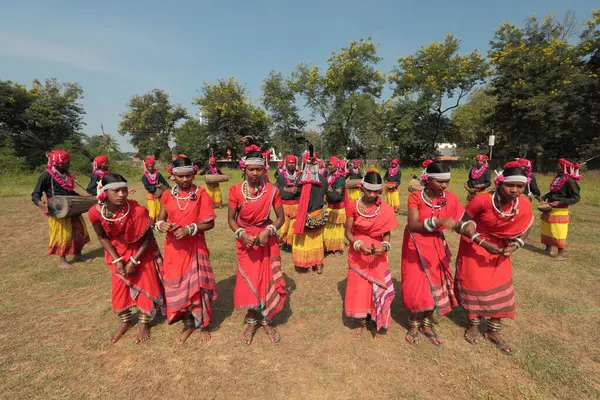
{"x":442,"y":175}
{"x":114,"y":185}
{"x":371,"y":186}
{"x":186,"y":169}
{"x":515,"y":178}
{"x":255,"y":161}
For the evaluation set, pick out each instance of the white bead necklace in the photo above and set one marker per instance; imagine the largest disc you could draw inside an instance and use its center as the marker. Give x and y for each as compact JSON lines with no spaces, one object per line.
{"x":120,"y":219}
{"x":247,"y":194}
{"x":191,"y":195}
{"x":363,"y":205}
{"x":514,"y":210}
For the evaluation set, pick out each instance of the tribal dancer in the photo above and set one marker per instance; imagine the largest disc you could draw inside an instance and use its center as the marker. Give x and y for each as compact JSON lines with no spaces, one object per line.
{"x":479,"y":177}
{"x":393,"y":179}
{"x":333,"y":236}
{"x":155,"y":184}
{"x":354,"y":173}
{"x":213,"y":189}
{"x":99,"y":169}
{"x":287,"y":183}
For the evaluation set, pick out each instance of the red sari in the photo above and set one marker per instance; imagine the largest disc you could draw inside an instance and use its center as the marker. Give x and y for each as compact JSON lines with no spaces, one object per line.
{"x":190,"y":285}
{"x":369,"y":289}
{"x":427,"y":281}
{"x":259,"y":281}
{"x":142,"y":289}
{"x":484,"y":281}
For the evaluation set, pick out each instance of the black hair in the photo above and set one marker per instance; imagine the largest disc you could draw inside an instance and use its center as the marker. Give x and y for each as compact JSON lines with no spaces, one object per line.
{"x":182,"y":162}
{"x":254,"y":154}
{"x":373,"y":177}
{"x":112,"y":178}
{"x":437,"y":167}
{"x":512,"y":171}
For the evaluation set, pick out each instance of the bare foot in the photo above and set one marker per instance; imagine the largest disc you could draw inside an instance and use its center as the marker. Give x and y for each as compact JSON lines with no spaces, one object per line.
{"x":63,"y":264}
{"x":81,"y":258}
{"x":320,"y":269}
{"x":203,"y":334}
{"x":143,"y":333}
{"x":187,"y":331}
{"x":120,"y":332}
{"x":561,"y":257}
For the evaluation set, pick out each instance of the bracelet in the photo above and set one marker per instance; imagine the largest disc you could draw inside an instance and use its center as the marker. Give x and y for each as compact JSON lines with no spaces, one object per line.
{"x":357,"y":245}
{"x":465,"y":223}
{"x":193,"y":229}
{"x":239,"y":232}
{"x":272,"y":230}
{"x":475,"y":236}
{"x":157,"y":225}
{"x":429,"y":224}
{"x":134,"y":261}
{"x":481,"y":241}
{"x":519,"y":242}
{"x":118,"y":260}
{"x":386,"y":245}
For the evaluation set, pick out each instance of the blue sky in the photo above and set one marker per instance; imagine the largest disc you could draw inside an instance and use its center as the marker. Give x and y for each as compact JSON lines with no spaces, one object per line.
{"x":115,"y":49}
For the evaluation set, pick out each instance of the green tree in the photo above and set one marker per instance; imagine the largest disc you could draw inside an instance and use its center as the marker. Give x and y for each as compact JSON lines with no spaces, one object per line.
{"x":537,"y":83}
{"x":103,"y":144}
{"x":191,"y":139}
{"x":230,"y":116}
{"x":342,"y":96}
{"x":436,"y":78}
{"x":473,"y":120}
{"x":150,"y":121}
{"x":279,"y":99}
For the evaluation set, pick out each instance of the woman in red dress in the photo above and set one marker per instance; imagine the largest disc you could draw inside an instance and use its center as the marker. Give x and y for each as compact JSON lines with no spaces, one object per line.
{"x":259,"y":285}
{"x":426,"y":276}
{"x":369,"y":290}
{"x":124,"y":230}
{"x":190,"y":287}
{"x":494,"y":226}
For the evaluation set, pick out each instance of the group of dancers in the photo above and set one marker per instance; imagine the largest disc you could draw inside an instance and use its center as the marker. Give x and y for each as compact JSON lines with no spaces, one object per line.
{"x":314,"y":215}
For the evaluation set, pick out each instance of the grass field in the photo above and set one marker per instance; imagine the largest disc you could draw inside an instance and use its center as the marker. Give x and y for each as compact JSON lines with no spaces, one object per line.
{"x":55,"y":326}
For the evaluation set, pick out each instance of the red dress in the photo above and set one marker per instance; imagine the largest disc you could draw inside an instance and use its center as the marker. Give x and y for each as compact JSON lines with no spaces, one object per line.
{"x":259,"y":281}
{"x":369,"y":290}
{"x":142,"y":289}
{"x":427,"y":281}
{"x":190,"y":285}
{"x":484,"y":281}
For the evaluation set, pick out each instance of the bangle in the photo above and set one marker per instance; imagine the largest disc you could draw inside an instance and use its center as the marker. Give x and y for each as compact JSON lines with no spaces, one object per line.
{"x":134,"y":261}
{"x":117,"y":260}
{"x":481,"y":241}
{"x":429,"y":224}
{"x":357,"y":245}
{"x":272,"y":230}
{"x":157,"y":225}
{"x":239,"y":232}
{"x":519,"y":242}
{"x":193,"y":229}
{"x":386,"y":245}
{"x":475,"y":236}
{"x":465,"y":223}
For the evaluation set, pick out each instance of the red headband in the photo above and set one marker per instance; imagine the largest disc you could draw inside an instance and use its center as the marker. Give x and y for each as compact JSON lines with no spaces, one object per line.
{"x":481,"y":157}
{"x":149,"y":161}
{"x":100,"y":161}
{"x":57,"y":157}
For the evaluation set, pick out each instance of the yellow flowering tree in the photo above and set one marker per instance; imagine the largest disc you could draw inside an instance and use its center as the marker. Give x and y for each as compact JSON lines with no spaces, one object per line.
{"x":436,"y":78}
{"x":229,"y":115}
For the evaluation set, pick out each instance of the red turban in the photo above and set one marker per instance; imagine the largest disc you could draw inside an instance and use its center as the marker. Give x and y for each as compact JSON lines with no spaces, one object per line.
{"x":212,"y":160}
{"x":149,"y":161}
{"x":481,"y":157}
{"x":356,"y":163}
{"x":564,"y":163}
{"x":523,"y":162}
{"x":334,"y":161}
{"x":395,"y":162}
{"x":100,"y":161}
{"x":292,"y":158}
{"x":57,"y":157}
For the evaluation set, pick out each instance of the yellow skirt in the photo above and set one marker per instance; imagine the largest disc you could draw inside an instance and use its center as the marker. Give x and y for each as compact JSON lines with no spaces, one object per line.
{"x":555,"y":227}
{"x":392,"y":197}
{"x":286,"y":233}
{"x":307,"y":250}
{"x":214,"y":191}
{"x":153,"y":207}
{"x":334,"y":233}
{"x":67,"y":235}
{"x":354,"y":194}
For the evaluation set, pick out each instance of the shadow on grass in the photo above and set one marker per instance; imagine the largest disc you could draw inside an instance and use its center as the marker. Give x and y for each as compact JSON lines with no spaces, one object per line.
{"x":399,"y":313}
{"x":285,"y":314}
{"x":534,"y":249}
{"x":223,"y":306}
{"x":96,"y":253}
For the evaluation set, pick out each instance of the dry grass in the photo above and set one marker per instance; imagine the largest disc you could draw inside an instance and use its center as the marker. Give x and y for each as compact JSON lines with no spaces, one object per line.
{"x":55,"y":324}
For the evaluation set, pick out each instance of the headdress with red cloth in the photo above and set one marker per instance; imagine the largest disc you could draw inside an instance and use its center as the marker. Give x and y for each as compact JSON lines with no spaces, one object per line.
{"x":57,"y":157}
{"x":575,"y":174}
{"x":481,"y":157}
{"x":149,"y":161}
{"x":293,"y":158}
{"x":212,"y":160}
{"x":394,"y":167}
{"x":310,"y":176}
{"x":99,"y":161}
{"x":280,"y":164}
{"x":565,"y":165}
{"x":333,"y":160}
{"x":513,"y":178}
{"x":356,"y":163}
{"x":526,"y":164}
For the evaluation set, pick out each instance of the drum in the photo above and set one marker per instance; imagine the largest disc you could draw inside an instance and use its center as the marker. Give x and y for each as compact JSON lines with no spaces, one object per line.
{"x":318,"y":221}
{"x":70,"y":206}
{"x":544,"y":207}
{"x":414,"y":186}
{"x":352,"y":183}
{"x":213,"y":179}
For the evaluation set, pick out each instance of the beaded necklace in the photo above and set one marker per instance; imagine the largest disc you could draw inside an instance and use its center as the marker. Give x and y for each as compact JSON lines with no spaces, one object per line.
{"x":360,"y":204}
{"x":514,"y":209}
{"x":258,"y":192}
{"x":109,"y":216}
{"x":191,"y":196}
